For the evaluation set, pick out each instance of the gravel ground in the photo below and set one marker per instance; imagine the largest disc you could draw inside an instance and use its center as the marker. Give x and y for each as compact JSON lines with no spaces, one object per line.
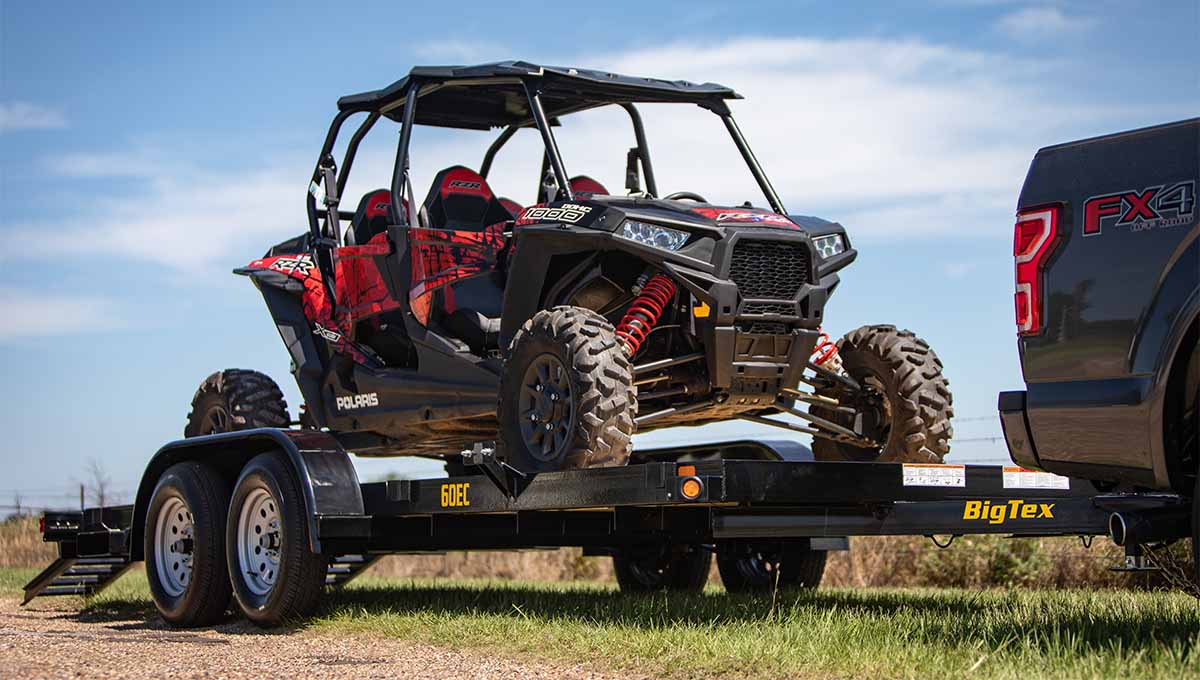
{"x":49,"y":640}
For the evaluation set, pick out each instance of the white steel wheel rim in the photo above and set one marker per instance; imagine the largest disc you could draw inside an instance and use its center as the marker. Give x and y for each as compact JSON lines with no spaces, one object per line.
{"x":174,"y":546}
{"x":259,"y":540}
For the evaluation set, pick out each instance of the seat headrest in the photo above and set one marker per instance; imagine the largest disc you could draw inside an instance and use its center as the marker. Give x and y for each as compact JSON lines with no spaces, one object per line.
{"x":463,"y":181}
{"x":513,"y":207}
{"x":582,"y":184}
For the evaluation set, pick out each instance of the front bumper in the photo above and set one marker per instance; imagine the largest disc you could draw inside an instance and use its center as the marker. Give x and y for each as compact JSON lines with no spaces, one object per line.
{"x":765,"y":302}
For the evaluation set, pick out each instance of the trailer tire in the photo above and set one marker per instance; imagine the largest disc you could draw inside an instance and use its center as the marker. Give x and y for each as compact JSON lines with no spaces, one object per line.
{"x":236,"y":399}
{"x":276,"y":577}
{"x":915,"y":424}
{"x":763,"y":567}
{"x":187,"y":510}
{"x":593,"y":426}
{"x":656,"y":567}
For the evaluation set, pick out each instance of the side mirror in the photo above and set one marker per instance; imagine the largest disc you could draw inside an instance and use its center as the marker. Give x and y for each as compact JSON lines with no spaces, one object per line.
{"x":633,"y":182}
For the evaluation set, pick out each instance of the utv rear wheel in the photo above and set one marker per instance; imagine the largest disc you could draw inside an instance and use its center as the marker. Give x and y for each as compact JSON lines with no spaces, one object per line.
{"x":185,"y":545}
{"x":566,"y":395}
{"x":236,"y":399}
{"x":765,"y":567}
{"x":650,"y":568}
{"x":906,"y":403}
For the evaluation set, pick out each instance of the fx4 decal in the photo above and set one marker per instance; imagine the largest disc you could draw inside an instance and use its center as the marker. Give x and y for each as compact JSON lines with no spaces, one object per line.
{"x":1168,"y":205}
{"x":1002,"y":512}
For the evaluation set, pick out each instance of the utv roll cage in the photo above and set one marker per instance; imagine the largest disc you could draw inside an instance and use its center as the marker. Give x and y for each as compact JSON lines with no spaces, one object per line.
{"x":510,"y":95}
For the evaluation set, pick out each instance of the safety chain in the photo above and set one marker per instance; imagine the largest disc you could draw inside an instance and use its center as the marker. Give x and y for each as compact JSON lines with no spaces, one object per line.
{"x":1176,"y":572}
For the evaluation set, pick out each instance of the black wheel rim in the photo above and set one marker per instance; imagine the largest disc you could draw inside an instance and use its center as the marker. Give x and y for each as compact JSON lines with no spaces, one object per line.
{"x":216,"y":419}
{"x":876,"y":410}
{"x":761,"y":566}
{"x":547,"y":407}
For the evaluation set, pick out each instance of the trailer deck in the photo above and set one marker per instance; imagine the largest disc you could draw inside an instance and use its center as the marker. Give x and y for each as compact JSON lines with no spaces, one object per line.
{"x":681,"y":502}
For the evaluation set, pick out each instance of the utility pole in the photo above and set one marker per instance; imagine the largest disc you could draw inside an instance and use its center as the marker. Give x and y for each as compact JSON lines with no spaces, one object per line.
{"x":81,"y":497}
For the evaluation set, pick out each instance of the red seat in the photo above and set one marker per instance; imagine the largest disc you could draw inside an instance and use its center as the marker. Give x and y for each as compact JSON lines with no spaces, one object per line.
{"x":582,"y":184}
{"x":455,"y":278}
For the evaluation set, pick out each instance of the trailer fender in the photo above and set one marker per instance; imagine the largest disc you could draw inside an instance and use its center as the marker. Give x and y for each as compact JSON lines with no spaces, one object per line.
{"x":321,"y":465}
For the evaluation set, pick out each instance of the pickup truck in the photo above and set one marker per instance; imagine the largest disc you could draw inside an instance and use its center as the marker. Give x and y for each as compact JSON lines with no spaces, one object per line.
{"x":1107,"y":255}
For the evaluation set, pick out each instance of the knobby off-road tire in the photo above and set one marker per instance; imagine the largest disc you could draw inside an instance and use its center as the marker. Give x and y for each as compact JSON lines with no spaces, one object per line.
{"x":590,"y":422}
{"x":267,"y":515}
{"x":650,"y":568}
{"x":184,"y":545}
{"x":236,"y":399}
{"x":764,"y":567}
{"x":915,"y":426}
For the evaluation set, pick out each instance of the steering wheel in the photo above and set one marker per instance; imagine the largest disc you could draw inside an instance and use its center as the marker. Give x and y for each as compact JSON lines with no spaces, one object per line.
{"x":686,"y":195}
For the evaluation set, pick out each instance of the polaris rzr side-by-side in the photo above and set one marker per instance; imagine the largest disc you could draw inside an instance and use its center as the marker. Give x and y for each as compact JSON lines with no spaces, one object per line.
{"x":559,"y":329}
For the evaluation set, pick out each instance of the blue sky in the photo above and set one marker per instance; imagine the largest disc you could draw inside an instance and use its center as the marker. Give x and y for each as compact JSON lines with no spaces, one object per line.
{"x":146,"y":150}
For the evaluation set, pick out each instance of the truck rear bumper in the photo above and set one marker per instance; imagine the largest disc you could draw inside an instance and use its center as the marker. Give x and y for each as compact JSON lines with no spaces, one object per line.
{"x":1016,"y":429}
{"x":1096,"y":429}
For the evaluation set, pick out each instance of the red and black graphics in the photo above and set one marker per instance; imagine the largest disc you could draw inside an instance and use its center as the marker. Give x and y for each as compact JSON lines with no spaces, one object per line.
{"x":464,"y":238}
{"x":361,"y":291}
{"x":764,"y":218}
{"x":1167,"y":205}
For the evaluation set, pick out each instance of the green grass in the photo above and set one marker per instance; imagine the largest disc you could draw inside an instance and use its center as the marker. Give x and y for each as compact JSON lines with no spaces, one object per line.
{"x":868,"y":633}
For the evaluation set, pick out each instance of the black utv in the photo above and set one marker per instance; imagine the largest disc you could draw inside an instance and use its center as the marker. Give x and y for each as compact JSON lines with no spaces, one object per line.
{"x":559,"y":329}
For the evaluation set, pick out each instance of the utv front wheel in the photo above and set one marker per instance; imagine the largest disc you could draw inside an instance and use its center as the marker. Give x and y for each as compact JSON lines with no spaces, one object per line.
{"x":905,"y":404}
{"x":566,"y":395}
{"x":236,"y":399}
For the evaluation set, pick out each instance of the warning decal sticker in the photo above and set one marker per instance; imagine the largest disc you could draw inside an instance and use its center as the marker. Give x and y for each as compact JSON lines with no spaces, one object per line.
{"x":1020,"y":478}
{"x":935,"y":475}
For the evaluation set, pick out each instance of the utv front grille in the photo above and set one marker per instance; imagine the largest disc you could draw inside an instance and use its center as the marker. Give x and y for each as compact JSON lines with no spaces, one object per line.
{"x":780,"y":308}
{"x":770,"y":269}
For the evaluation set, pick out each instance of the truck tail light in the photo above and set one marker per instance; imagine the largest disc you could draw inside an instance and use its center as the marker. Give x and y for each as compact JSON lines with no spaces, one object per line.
{"x":1034,"y":239}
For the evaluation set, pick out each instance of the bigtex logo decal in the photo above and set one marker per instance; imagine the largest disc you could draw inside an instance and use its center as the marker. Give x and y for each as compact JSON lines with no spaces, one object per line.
{"x":1002,"y":512}
{"x":358,"y":401}
{"x":1158,"y":206}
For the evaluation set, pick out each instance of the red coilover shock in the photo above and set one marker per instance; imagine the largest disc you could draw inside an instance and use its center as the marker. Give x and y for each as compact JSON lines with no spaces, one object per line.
{"x":639,"y":320}
{"x":826,"y":352}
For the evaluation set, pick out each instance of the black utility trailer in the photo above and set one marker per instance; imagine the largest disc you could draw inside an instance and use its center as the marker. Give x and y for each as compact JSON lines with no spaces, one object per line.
{"x":766,"y":510}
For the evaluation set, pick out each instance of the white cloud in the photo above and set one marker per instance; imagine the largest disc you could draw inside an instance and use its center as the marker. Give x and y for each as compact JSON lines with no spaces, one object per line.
{"x":461,"y":51}
{"x":893,"y":138}
{"x":137,"y":163}
{"x":31,"y":313}
{"x":25,"y":116}
{"x":1034,"y":23}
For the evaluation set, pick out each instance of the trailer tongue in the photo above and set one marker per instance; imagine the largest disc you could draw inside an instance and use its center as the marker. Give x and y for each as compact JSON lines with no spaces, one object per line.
{"x":669,"y":517}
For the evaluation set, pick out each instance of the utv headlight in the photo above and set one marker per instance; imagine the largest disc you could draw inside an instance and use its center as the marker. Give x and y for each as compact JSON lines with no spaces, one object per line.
{"x":654,"y":235}
{"x":828,"y":246}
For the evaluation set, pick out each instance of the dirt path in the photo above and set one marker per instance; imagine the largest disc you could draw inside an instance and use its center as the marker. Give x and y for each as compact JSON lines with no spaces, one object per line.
{"x":51,"y":641}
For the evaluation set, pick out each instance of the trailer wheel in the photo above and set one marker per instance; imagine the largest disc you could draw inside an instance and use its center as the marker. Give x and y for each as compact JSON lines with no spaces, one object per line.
{"x":185,"y":544}
{"x":763,"y":567}
{"x":648,"y":568}
{"x":566,"y":394}
{"x":906,"y":406}
{"x":236,"y":399}
{"x":276,"y":577}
